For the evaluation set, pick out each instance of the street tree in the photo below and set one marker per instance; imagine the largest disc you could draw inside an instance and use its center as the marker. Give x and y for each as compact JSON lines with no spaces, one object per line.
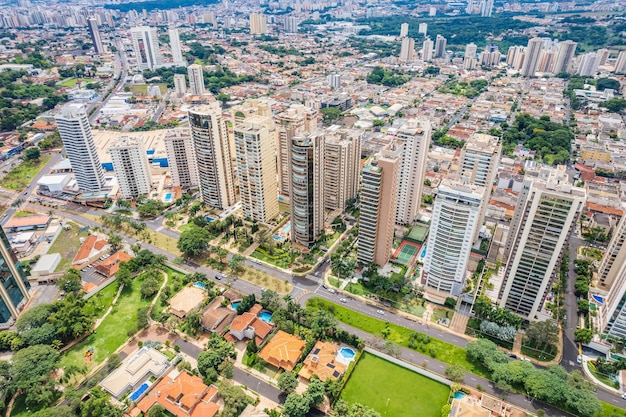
{"x":71,"y":281}
{"x":287,"y":382}
{"x":455,"y":372}
{"x":315,"y":392}
{"x":296,"y":405}
{"x":194,"y":241}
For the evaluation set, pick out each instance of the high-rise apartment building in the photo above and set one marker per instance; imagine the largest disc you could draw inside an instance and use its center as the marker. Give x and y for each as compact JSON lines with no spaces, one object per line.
{"x":342,"y":157}
{"x":456,"y":213}
{"x":515,"y":57}
{"x":196,"y":79}
{"x":407,"y":50}
{"x":131,"y":167}
{"x":427,"y":49}
{"x":490,"y":56}
{"x":177,"y":52}
{"x":415,"y":139}
{"x":378,"y":207}
{"x":334,"y":80}
{"x":290,"y":24}
{"x":80,"y":147}
{"x":531,"y":57}
{"x":612,"y":277}
{"x":404,"y":30}
{"x":256,"y":168}
{"x":486,"y":8}
{"x":181,"y":157}
{"x":422,"y":28}
{"x":13,"y":284}
{"x":588,"y":65}
{"x":546,"y":211}
{"x":440,"y":46}
{"x":603,"y":56}
{"x":146,"y":47}
{"x":94,"y":33}
{"x":296,"y":120}
{"x":469,"y":59}
{"x":209,"y":134}
{"x":180,"y":85}
{"x":564,"y":55}
{"x":306,"y":187}
{"x":258,"y":24}
{"x":620,"y":63}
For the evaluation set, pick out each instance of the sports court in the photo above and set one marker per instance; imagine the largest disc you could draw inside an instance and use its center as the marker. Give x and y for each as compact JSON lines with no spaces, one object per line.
{"x":418,"y":233}
{"x":407,"y":252}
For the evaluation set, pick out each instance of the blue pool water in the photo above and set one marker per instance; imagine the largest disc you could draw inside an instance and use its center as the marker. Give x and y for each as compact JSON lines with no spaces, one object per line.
{"x":287,"y":228}
{"x":167,"y":198}
{"x":209,"y":219}
{"x":277,"y":237}
{"x":347,"y":353}
{"x":598,"y":298}
{"x":423,"y":254}
{"x":266,"y":316}
{"x":459,"y":395}
{"x":234,"y":306}
{"x":281,"y":199}
{"x":199,"y":285}
{"x":139,"y":391}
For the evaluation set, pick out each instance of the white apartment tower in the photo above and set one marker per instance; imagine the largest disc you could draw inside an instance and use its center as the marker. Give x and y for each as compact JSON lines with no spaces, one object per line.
{"x":209,"y":134}
{"x":256,"y":168}
{"x":196,"y":79}
{"x":564,"y":55}
{"x":306,"y":187}
{"x":440,"y":46}
{"x":177,"y":52}
{"x":546,"y":211}
{"x":612,"y":276}
{"x":469,"y":59}
{"x":96,"y":38}
{"x":296,"y":120}
{"x":80,"y":147}
{"x":378,"y":206}
{"x":588,"y":65}
{"x":422,"y":28}
{"x":404,"y":30}
{"x":146,"y":47}
{"x":407,"y":50}
{"x":131,"y":166}
{"x":415,"y":138}
{"x":486,"y":8}
{"x":181,"y":157}
{"x":456,"y":213}
{"x":427,"y":49}
{"x":342,"y":157}
{"x":180,"y":85}
{"x":620,"y":63}
{"x":531,"y":58}
{"x":258,"y":24}
{"x":515,"y":57}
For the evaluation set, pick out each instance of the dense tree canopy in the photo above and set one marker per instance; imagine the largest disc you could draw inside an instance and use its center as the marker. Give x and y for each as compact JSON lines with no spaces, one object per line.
{"x":551,"y":141}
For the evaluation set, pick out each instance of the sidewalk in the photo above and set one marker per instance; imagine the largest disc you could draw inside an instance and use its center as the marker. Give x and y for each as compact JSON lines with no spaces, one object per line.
{"x":596,"y":381}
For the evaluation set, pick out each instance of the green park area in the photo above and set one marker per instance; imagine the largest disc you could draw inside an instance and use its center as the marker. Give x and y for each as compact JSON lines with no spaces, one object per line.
{"x":71,"y":82}
{"x":435,"y":348}
{"x":19,"y":177}
{"x":609,"y":410}
{"x":394,"y":391}
{"x":143,"y":88}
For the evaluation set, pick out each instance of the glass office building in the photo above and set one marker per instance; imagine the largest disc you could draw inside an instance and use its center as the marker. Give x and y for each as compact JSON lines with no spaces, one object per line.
{"x":13,"y":284}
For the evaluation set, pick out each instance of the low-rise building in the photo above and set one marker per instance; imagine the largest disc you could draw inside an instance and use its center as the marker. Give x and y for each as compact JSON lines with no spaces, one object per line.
{"x":134,"y":371}
{"x":186,"y":301}
{"x":283,"y":351}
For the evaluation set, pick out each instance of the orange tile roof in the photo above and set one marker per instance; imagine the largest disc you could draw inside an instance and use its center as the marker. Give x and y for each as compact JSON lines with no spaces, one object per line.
{"x":256,"y":309}
{"x":283,"y":351}
{"x":111,"y":265}
{"x":85,"y":248}
{"x":27,"y":221}
{"x":604,"y":209}
{"x":241,"y":322}
{"x":321,"y":362}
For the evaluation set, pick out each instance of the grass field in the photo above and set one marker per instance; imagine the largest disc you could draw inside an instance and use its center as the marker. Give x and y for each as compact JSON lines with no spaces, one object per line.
{"x":24,"y":213}
{"x":394,"y":391}
{"x":609,"y":410}
{"x":67,"y":244}
{"x":266,"y":281}
{"x":71,"y":82}
{"x":19,"y":177}
{"x":437,"y":349}
{"x":113,"y":331}
{"x":143,"y":88}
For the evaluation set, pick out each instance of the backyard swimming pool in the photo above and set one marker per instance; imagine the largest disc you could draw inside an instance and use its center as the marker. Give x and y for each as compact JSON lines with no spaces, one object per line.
{"x":266,"y":316}
{"x":345,"y":355}
{"x":233,"y":306}
{"x":167,"y":198}
{"x":139,"y":391}
{"x":199,"y":285}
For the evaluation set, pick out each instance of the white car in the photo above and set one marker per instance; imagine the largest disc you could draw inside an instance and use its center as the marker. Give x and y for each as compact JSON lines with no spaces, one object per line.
{"x":343,"y":300}
{"x":382,"y":313}
{"x":579,"y":359}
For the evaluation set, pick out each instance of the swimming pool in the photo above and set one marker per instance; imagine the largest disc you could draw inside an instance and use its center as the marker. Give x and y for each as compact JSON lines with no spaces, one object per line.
{"x":277,"y":237}
{"x":345,"y":355}
{"x":199,"y":285}
{"x":459,"y":395}
{"x":423,"y":254}
{"x":598,"y":298}
{"x":139,"y":391}
{"x":266,"y":316}
{"x":233,"y":306}
{"x":167,"y":198}
{"x":286,"y":228}
{"x":209,"y":219}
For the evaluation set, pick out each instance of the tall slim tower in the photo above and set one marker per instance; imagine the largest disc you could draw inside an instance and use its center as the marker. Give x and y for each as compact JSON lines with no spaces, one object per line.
{"x":177,"y":53}
{"x":588,"y":65}
{"x":209,"y":134}
{"x":404,"y":30}
{"x":564,"y":55}
{"x":415,"y":136}
{"x":296,"y":120}
{"x":258,"y":24}
{"x":456,"y":213}
{"x":181,"y":157}
{"x":407,"y":50}
{"x":196,"y":79}
{"x":469,"y":59}
{"x":94,"y":32}
{"x":306,"y":187}
{"x":612,"y":276}
{"x":531,"y":58}
{"x":146,"y":47}
{"x":256,"y":168}
{"x":131,"y":167}
{"x":378,"y":206}
{"x":620,"y":63}
{"x":13,"y":284}
{"x":342,"y":157}
{"x":440,"y":46}
{"x":546,"y":211}
{"x":180,"y":85}
{"x":80,"y":147}
{"x":427,"y":49}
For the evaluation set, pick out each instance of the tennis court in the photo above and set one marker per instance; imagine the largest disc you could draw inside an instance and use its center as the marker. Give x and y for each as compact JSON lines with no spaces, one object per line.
{"x":407,"y":252}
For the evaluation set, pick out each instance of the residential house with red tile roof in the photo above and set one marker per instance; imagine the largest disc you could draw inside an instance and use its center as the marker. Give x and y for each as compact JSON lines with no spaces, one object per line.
{"x":283,"y":351}
{"x":91,"y":249}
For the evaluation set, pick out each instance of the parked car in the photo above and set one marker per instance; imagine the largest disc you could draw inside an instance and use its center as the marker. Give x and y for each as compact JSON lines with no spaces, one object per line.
{"x":343,"y":300}
{"x":382,"y":313}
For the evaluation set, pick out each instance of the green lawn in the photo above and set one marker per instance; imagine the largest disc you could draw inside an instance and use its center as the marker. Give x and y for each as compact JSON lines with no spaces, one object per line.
{"x":24,"y":213}
{"x":601,"y":377}
{"x":609,"y":410}
{"x":67,"y":244}
{"x":172,"y":278}
{"x":19,"y":177}
{"x":394,"y":391}
{"x":437,"y":349}
{"x":281,"y":262}
{"x":283,"y":207}
{"x":71,"y":82}
{"x":143,"y":88}
{"x":113,"y":331}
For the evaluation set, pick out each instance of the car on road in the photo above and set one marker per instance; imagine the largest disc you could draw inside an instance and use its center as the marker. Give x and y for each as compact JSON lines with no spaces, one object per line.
{"x":324,"y":286}
{"x":317,"y":273}
{"x":343,"y":300}
{"x":521,"y":358}
{"x":332,"y":291}
{"x":382,"y":313}
{"x":512,"y":356}
{"x":579,"y":359}
{"x":624,"y":396}
{"x":219,"y":277}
